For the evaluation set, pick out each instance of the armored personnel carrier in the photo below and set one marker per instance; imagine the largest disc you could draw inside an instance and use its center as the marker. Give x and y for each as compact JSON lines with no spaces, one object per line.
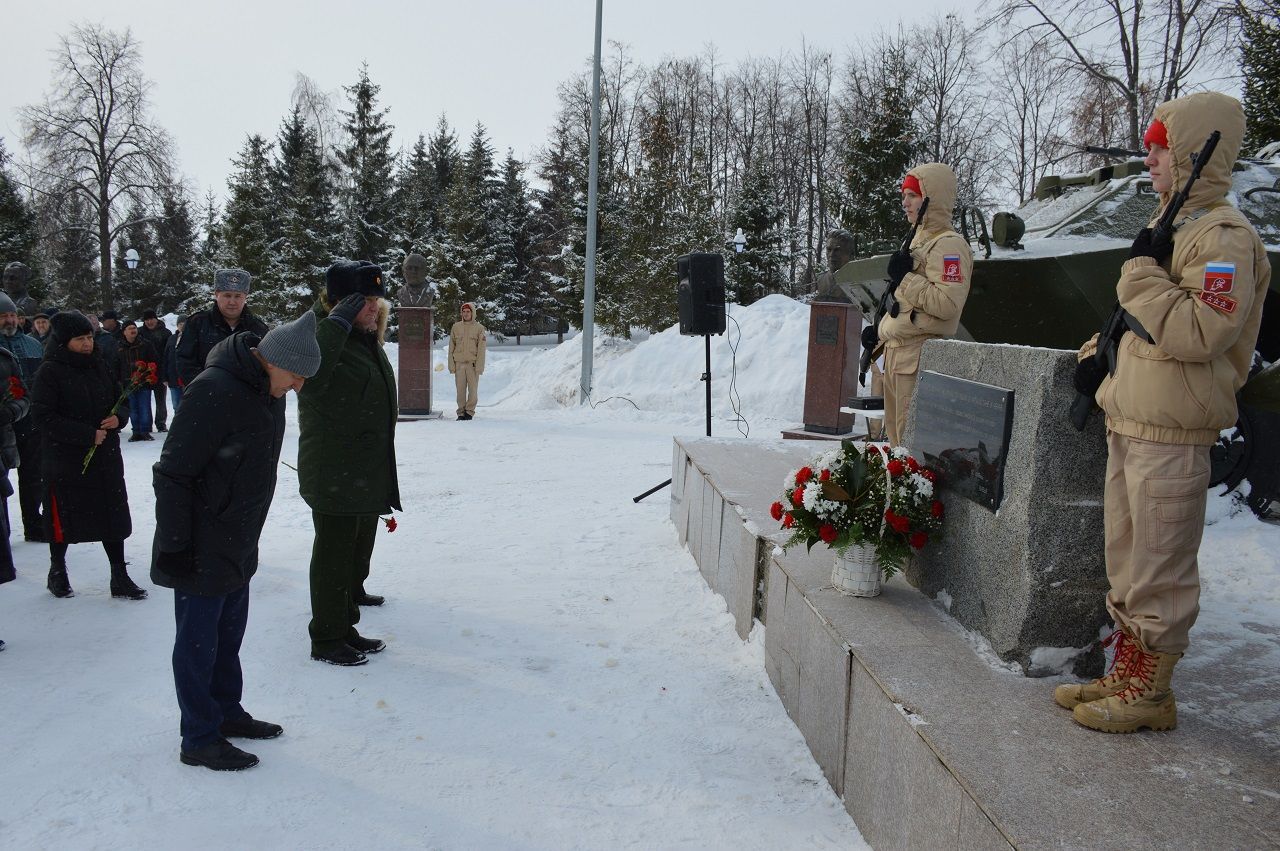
{"x":1045,"y":275}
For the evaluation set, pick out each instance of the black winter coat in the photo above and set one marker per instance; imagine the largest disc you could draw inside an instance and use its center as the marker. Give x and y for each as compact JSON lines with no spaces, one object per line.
{"x":105,"y":344}
{"x":127,"y":357}
{"x":71,"y":394}
{"x":217,"y":474}
{"x":205,"y":330}
{"x":169,"y":371}
{"x":11,"y":409}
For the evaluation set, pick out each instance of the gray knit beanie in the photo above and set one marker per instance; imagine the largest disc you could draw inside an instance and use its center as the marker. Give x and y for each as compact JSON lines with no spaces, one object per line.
{"x":292,"y":346}
{"x":6,"y":304}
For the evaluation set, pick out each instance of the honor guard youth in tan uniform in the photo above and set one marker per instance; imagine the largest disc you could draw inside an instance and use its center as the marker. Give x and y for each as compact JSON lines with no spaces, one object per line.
{"x":1199,"y":298}
{"x":933,"y":286}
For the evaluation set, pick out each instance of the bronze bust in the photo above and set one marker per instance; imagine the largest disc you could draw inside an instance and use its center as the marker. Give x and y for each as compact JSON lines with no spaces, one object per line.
{"x":16,"y":276}
{"x":416,"y":291}
{"x":839,"y":249}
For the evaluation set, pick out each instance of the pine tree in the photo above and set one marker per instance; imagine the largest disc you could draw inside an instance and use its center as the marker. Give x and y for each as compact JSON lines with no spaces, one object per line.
{"x":1260,"y":68}
{"x":465,"y":259}
{"x":302,"y":190}
{"x":17,"y":226}
{"x":368,"y":207}
{"x":177,"y":251}
{"x":757,"y":270}
{"x":249,"y":228}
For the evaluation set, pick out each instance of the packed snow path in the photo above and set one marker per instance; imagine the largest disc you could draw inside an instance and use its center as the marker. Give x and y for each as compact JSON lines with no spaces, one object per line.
{"x":557,"y":675}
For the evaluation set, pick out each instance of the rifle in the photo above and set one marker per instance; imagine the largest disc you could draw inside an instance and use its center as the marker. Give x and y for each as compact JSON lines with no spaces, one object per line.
{"x":1121,"y":320}
{"x":888,"y":304}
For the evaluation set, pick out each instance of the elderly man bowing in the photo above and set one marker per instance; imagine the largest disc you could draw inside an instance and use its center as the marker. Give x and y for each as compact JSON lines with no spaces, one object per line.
{"x":214,"y":483}
{"x":346,"y":456}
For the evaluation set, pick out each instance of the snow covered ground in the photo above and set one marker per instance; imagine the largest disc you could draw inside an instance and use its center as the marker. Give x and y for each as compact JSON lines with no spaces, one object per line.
{"x":557,"y":675}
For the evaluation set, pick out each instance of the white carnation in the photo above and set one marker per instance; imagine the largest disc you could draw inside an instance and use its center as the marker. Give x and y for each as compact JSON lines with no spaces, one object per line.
{"x":812,"y":494}
{"x":923,"y":486}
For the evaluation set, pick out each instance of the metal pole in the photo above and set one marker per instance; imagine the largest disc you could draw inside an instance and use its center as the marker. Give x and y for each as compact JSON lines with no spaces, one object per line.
{"x":707,"y":337}
{"x":593,"y":175}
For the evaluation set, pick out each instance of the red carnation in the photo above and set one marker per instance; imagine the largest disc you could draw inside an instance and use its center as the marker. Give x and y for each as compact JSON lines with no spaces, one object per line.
{"x":775,"y":511}
{"x":805,"y":474}
{"x":919,"y":539}
{"x":827,"y":533}
{"x":787,"y":520}
{"x":936,"y":509}
{"x":796,"y":496}
{"x":16,"y":390}
{"x":912,"y":465}
{"x":930,"y":475}
{"x":897,"y":522}
{"x":824,"y":476}
{"x":896,"y":468}
{"x":390,"y":522}
{"x":140,"y":364}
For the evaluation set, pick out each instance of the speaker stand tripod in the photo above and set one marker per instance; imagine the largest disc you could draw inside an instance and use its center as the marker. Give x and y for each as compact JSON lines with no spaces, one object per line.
{"x":706,"y":376}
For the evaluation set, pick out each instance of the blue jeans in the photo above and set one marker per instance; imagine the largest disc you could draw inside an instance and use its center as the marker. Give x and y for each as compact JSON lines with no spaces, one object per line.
{"x":206,"y":662}
{"x":175,"y":396}
{"x":140,"y":410}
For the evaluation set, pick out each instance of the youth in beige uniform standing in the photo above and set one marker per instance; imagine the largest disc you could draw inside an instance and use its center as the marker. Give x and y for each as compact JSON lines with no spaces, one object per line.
{"x":466,"y":359}
{"x":933,"y":285}
{"x":1200,"y":299}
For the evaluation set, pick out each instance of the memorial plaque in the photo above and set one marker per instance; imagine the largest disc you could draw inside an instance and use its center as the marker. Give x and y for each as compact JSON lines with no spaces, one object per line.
{"x":415,"y":361}
{"x":828,"y":331}
{"x":962,"y":429}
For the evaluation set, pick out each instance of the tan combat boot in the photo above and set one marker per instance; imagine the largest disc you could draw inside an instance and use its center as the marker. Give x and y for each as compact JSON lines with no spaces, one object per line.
{"x":1069,"y":695}
{"x":1146,"y":702}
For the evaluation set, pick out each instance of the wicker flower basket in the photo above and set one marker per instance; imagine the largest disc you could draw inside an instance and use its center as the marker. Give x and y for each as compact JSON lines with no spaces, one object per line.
{"x":857,"y":573}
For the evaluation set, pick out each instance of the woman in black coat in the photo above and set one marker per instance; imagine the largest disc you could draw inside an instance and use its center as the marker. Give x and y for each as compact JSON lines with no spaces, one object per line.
{"x":71,"y":400}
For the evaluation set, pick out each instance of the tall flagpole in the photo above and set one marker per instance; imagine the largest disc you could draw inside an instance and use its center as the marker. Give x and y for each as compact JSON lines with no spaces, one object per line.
{"x":593,"y":175}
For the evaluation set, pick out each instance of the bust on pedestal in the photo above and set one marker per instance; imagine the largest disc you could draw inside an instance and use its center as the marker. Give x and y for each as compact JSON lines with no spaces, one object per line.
{"x":417,"y":329}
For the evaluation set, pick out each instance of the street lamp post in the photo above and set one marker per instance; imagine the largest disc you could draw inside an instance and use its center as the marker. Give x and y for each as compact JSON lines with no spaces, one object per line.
{"x":131,"y":258}
{"x":739,"y":241}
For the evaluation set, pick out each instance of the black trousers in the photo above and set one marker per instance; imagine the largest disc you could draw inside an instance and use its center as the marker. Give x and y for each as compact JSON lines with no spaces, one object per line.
{"x":206,"y":662}
{"x":30,"y":482}
{"x":339,"y":566}
{"x":162,"y":402}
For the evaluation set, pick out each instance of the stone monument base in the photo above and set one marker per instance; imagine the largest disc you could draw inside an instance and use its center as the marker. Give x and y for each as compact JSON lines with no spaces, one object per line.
{"x":930,"y":746}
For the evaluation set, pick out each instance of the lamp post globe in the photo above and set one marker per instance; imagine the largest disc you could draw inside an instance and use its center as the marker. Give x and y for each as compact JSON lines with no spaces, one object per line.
{"x":739,"y":241}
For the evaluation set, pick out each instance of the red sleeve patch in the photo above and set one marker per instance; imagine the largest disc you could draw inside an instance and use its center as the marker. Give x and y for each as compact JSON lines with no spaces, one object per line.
{"x":1219,"y":277}
{"x":1225,"y":303}
{"x":951,"y":269}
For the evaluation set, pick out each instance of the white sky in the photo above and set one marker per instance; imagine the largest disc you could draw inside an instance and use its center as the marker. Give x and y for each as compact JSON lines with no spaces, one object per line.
{"x":222,"y":70}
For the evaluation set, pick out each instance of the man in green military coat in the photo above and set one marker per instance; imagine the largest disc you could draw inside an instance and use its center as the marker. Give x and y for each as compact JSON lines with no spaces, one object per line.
{"x":347,"y":455}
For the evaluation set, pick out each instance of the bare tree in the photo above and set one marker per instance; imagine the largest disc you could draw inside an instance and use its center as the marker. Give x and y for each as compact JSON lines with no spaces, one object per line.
{"x":1140,"y":52}
{"x":1033,"y":103}
{"x":93,"y":136}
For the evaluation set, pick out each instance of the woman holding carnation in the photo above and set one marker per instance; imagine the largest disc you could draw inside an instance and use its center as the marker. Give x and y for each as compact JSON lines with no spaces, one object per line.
{"x":136,"y":353}
{"x":74,"y":400}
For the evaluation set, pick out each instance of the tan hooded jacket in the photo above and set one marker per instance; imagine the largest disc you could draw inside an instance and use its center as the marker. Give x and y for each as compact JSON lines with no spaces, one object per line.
{"x":466,"y":343}
{"x":931,"y":296}
{"x":1204,"y":310}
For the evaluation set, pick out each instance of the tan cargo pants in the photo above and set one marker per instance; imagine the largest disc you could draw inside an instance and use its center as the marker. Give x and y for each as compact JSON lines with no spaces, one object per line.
{"x":901,"y":371}
{"x":467,"y":380}
{"x":1153,"y":507}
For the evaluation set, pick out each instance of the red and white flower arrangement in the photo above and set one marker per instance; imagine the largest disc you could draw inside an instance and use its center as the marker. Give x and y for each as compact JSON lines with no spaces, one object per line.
{"x":839,"y":499}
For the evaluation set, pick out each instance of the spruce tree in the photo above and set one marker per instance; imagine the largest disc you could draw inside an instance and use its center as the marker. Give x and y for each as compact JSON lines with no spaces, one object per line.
{"x":70,"y":255}
{"x":303,"y":191}
{"x":465,"y":259}
{"x":368,"y":207}
{"x":416,"y":200}
{"x":177,"y":270}
{"x":137,"y":288}
{"x":249,"y":228}
{"x":1260,"y":68}
{"x":17,"y":226}
{"x":554,"y":227}
{"x":522,"y":299}
{"x":757,"y":270}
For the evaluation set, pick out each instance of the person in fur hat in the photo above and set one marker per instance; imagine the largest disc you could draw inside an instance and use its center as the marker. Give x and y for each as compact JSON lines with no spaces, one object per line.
{"x":346,"y":456}
{"x":466,"y":359}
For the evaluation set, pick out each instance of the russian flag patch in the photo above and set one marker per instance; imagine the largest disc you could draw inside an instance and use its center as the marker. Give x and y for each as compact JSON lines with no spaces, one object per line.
{"x":1219,"y":277}
{"x":951,"y":269}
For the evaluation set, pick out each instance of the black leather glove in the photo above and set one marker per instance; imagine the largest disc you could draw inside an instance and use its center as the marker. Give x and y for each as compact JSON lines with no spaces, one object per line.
{"x":900,"y":263}
{"x":1089,"y":375}
{"x":870,"y":338}
{"x":1147,"y":245}
{"x":345,"y":311}
{"x":177,"y":564}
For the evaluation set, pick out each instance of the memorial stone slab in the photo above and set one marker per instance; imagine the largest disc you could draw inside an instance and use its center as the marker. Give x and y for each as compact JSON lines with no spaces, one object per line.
{"x":414,"y":361}
{"x":831,"y":375}
{"x":1030,"y":577}
{"x":962,"y":430}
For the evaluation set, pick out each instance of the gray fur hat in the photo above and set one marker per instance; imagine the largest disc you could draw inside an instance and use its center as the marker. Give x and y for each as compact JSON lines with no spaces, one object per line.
{"x":6,"y":304}
{"x":293,"y":347}
{"x":235,"y":280}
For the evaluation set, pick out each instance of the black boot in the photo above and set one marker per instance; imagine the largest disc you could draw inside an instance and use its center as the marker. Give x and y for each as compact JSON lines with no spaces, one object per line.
{"x":59,"y":585}
{"x":219,"y":756}
{"x":122,"y":585}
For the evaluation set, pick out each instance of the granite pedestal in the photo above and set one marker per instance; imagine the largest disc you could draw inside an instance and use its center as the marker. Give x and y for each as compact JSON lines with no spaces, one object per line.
{"x":831,"y":376}
{"x":414,"y":362}
{"x":930,"y":746}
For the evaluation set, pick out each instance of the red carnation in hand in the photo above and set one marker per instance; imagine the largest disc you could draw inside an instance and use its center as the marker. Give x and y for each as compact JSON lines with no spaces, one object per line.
{"x":824,"y":476}
{"x":896,"y":468}
{"x":827,"y":533}
{"x":775,"y":511}
{"x":390,"y":522}
{"x":787,"y":520}
{"x":805,"y":474}
{"x":140,"y":364}
{"x":897,"y":522}
{"x":919,"y":539}
{"x":16,"y":390}
{"x":936,"y":509}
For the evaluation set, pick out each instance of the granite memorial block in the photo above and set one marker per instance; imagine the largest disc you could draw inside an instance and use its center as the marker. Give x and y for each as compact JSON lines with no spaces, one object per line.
{"x":414,"y":361}
{"x":832,"y":373}
{"x":962,"y":431}
{"x":1029,"y":577}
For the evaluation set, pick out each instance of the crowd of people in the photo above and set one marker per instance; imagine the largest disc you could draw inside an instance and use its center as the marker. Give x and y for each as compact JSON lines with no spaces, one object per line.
{"x":74,"y":382}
